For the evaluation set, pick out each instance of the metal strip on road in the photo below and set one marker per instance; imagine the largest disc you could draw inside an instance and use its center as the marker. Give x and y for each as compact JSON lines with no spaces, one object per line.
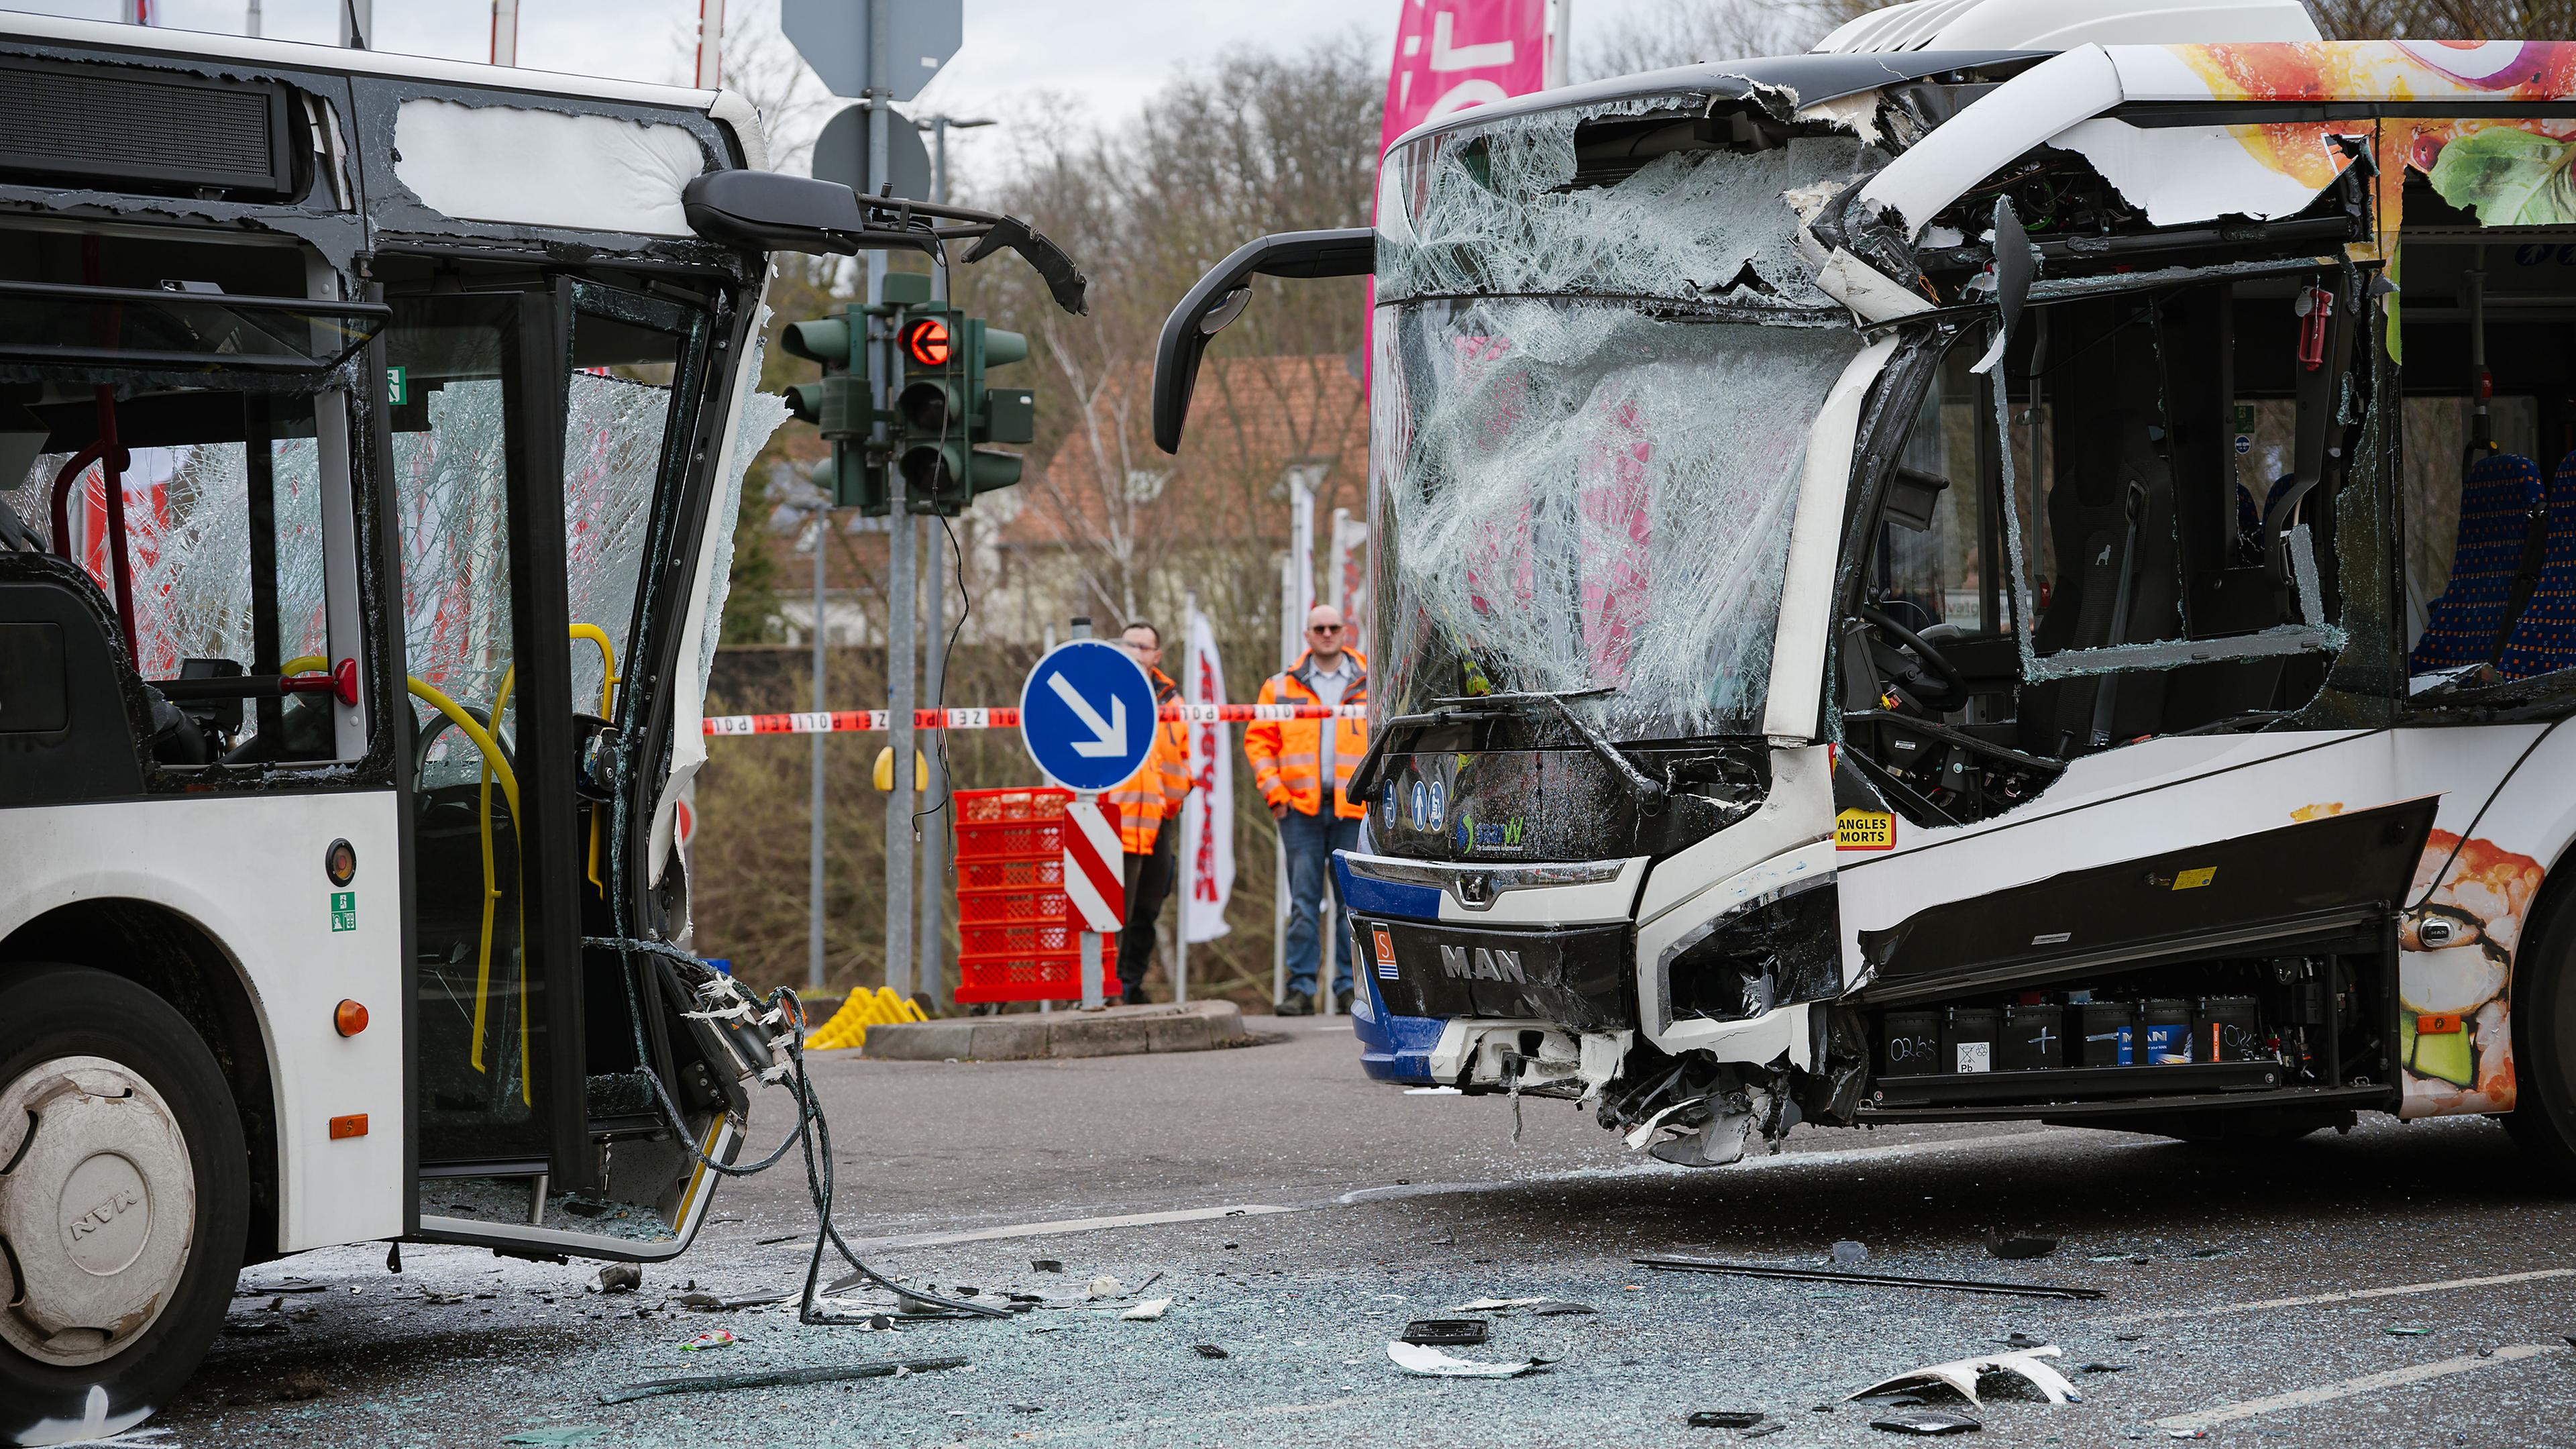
{"x":2398,"y":1290}
{"x":1070,"y":1225}
{"x":2367,"y":1383}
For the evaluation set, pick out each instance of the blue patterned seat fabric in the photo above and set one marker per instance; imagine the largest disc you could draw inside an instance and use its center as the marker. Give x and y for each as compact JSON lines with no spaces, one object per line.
{"x":2496,"y":504}
{"x":2544,"y":638}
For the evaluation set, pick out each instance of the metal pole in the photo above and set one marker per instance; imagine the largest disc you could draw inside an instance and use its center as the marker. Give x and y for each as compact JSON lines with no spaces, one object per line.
{"x":1288,"y":625}
{"x":357,"y":24}
{"x":505,"y":32}
{"x":711,"y":22}
{"x":251,"y":20}
{"x":1560,"y":42}
{"x":1186,"y":858}
{"x":814,"y":845}
{"x":901,"y":605}
{"x":931,"y":942}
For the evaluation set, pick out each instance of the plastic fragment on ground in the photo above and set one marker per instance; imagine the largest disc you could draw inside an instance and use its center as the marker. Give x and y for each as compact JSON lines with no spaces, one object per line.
{"x":1962,"y":1374}
{"x":1725,"y":1418}
{"x":617,"y":1278}
{"x":1415,"y":1359}
{"x":2018,"y":1245}
{"x":1445,"y":1332}
{"x":1209,"y":1350}
{"x":1045,"y":1265}
{"x":1433,"y":1092}
{"x":712,"y":1338}
{"x":776,"y":1378}
{"x":1147,"y":1311}
{"x":2407,"y":1330}
{"x":561,"y":1434}
{"x":1848,"y":1251}
{"x":1497,"y":1305}
{"x":1103,"y":1286}
{"x":1926,"y":1421}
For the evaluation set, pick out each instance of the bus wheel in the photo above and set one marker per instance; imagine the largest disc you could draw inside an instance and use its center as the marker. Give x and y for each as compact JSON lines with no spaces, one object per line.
{"x":2543,"y":1119}
{"x":124,"y":1192}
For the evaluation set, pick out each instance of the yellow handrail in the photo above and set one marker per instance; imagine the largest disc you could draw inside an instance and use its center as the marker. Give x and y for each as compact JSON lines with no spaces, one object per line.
{"x":495,"y":767}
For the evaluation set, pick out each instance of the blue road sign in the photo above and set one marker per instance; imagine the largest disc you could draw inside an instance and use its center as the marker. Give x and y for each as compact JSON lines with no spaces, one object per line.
{"x":1087,"y":715}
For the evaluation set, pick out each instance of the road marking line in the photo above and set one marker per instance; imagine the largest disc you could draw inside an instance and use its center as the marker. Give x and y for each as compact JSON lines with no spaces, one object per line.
{"x":1069,"y":1225}
{"x":1358,"y":1196}
{"x":2356,"y":1295}
{"x":2367,"y":1383}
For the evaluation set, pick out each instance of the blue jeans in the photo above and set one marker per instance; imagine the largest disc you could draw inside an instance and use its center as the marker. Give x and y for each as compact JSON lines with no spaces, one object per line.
{"x":1311,"y":841}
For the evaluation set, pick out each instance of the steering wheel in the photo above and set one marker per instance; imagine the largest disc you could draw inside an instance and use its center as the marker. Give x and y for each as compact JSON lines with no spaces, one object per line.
{"x":1933,"y":681}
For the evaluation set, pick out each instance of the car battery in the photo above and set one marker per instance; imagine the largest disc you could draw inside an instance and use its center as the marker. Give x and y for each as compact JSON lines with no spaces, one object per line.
{"x":2164,"y":1031}
{"x":1968,"y":1038}
{"x":2031,"y":1039}
{"x":2228,"y":1029}
{"x":2103,"y":1030}
{"x":1912,"y":1044}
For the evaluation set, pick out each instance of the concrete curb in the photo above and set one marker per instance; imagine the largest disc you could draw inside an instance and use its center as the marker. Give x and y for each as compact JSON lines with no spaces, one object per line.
{"x":1113,"y":1032}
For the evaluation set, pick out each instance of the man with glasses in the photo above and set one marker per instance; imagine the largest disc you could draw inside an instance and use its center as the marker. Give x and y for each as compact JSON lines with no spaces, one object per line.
{"x":1302,"y":768}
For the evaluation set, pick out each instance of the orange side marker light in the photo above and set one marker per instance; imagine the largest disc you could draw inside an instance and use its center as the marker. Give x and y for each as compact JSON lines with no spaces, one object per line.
{"x":350,"y":1018}
{"x":354,"y":1125}
{"x":2437,"y":1023}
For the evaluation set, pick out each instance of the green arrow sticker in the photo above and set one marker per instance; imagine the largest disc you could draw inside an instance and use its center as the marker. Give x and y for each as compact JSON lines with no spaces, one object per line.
{"x":398,"y":386}
{"x":344,"y":910}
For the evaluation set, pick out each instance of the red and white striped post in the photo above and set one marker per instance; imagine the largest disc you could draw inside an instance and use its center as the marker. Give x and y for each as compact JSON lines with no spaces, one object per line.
{"x":1095,"y":884}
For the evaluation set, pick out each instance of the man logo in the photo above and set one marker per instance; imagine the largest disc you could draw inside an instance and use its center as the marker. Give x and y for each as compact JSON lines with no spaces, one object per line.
{"x":1458,"y":963}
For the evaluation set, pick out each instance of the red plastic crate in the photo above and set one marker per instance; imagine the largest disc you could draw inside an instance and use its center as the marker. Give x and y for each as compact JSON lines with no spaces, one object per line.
{"x":1036,"y":978}
{"x":984,"y":807}
{"x":1009,"y":839}
{"x":1031,"y":873}
{"x":984,"y":908}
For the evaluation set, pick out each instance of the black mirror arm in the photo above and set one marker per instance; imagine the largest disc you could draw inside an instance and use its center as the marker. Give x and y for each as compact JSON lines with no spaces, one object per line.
{"x":1345,"y":252}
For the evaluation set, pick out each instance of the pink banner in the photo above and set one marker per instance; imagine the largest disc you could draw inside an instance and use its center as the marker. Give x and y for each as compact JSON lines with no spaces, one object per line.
{"x":1451,"y":55}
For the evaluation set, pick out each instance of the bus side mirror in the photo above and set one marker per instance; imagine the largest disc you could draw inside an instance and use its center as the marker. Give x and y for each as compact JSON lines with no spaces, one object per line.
{"x":774,"y":212}
{"x":1221,"y":296}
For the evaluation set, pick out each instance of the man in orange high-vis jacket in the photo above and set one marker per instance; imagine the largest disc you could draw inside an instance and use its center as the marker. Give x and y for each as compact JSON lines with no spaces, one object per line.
{"x":1141,"y":807}
{"x":1302,"y":768}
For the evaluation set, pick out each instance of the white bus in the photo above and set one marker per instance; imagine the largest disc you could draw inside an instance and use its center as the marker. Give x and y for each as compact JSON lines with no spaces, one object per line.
{"x":2020,"y":565}
{"x":371,"y":432}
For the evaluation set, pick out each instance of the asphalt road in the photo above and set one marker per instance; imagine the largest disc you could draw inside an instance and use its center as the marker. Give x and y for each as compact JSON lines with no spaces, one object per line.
{"x":1299,"y":1216}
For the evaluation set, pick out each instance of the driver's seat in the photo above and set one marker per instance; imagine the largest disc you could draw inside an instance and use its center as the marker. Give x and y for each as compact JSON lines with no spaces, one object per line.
{"x":2111,"y":518}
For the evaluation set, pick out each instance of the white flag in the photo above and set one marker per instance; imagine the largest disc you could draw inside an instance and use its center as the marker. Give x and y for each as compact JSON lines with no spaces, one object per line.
{"x":1207,"y":816}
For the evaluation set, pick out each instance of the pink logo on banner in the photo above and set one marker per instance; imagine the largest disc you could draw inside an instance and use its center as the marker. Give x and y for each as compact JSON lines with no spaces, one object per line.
{"x":1451,"y":55}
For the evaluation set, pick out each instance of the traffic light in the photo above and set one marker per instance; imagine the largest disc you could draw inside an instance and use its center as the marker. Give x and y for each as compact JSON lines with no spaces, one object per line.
{"x":946,"y":415}
{"x":839,"y":407}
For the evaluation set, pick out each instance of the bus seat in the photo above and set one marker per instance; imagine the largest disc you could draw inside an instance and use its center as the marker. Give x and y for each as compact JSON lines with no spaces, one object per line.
{"x":2103,"y":542}
{"x":2499,"y":504}
{"x":2544,"y":638}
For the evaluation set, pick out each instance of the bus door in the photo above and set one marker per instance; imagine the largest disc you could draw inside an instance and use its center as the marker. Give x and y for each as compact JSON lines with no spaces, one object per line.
{"x":533,"y":455}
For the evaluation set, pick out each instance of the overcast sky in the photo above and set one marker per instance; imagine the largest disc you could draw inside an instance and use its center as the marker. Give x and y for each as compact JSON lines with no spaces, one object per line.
{"x":1106,"y":56}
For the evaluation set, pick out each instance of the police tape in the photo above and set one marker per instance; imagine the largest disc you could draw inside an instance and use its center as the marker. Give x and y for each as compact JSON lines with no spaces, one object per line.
{"x":858,"y":721}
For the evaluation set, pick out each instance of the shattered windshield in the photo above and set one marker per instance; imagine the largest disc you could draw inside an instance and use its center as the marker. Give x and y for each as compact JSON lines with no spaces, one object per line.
{"x":1591,"y":412}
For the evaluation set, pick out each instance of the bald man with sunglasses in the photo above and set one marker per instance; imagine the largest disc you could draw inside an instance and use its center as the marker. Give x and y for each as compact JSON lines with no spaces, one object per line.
{"x":1303,"y":770}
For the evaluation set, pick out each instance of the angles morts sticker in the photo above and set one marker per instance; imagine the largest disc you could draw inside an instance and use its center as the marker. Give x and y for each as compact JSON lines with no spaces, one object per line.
{"x":1865,"y":830}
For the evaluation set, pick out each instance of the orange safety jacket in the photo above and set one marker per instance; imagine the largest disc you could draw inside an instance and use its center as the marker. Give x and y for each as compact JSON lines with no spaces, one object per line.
{"x":1153,"y":794}
{"x":1288,"y":755}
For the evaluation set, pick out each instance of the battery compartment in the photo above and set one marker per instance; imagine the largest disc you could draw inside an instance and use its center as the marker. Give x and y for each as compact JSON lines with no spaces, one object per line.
{"x":2211,"y":1029}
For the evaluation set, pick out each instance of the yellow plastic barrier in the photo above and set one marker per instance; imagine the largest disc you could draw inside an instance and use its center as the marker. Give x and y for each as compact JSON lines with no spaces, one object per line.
{"x":849,"y":1025}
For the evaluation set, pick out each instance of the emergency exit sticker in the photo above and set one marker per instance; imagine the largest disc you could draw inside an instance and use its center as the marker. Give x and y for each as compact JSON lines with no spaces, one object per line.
{"x":344,"y":910}
{"x":398,"y":386}
{"x":1864,"y":830}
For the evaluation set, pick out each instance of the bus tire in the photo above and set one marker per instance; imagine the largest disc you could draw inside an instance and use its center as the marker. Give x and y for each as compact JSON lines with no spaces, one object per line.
{"x":124,"y":1203}
{"x":2543,"y":1119}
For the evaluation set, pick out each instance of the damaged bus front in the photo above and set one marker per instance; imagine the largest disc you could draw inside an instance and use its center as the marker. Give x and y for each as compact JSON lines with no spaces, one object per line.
{"x":1926,"y":586}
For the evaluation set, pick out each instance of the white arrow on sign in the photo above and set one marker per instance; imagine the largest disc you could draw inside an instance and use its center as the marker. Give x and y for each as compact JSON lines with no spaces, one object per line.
{"x":1110,"y":735}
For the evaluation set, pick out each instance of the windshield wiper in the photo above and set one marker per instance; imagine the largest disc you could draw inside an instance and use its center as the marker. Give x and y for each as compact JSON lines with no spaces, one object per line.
{"x":1650,"y":792}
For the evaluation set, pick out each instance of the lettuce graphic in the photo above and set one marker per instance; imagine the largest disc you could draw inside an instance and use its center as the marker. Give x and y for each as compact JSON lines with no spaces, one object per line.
{"x":2508,"y":177}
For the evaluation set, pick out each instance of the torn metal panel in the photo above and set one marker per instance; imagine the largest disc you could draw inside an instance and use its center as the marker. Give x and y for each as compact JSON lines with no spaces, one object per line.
{"x":2023,"y":112}
{"x":509,"y":163}
{"x":2184,"y":174}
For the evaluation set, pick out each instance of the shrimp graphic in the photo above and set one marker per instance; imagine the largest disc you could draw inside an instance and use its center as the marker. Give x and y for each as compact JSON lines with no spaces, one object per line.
{"x":2454,"y":968}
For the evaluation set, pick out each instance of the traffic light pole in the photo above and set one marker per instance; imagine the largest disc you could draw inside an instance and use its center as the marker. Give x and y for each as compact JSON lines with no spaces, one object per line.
{"x":822,"y":522}
{"x":903,"y":600}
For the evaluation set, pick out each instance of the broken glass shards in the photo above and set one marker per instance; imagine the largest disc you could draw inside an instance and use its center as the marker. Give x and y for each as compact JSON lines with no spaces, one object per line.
{"x":1505,"y":210}
{"x":1579,"y":495}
